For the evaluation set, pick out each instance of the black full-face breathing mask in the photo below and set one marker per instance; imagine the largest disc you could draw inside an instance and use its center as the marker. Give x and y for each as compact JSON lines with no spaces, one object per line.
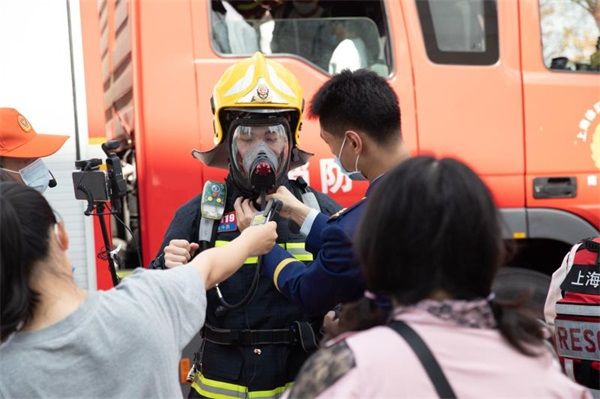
{"x":259,"y":154}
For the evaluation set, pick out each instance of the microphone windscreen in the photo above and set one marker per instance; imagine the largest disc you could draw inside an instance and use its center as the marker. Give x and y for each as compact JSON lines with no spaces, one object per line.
{"x":52,"y":182}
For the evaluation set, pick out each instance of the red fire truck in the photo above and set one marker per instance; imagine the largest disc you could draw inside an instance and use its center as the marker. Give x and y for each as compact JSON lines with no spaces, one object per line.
{"x":510,"y":87}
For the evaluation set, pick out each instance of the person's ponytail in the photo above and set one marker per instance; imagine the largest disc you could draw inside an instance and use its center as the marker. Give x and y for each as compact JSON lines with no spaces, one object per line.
{"x":517,"y":325}
{"x":25,"y":219}
{"x":361,"y":315}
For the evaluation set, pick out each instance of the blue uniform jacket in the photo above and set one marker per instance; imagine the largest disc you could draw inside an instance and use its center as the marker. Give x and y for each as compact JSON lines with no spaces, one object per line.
{"x":334,"y":276}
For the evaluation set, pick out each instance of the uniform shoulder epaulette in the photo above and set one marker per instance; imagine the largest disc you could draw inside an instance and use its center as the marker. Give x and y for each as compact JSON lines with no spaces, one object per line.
{"x":344,"y":211}
{"x":337,"y":214}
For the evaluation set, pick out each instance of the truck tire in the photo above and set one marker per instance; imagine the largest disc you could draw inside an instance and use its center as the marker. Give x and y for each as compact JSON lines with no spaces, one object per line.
{"x":515,"y":282}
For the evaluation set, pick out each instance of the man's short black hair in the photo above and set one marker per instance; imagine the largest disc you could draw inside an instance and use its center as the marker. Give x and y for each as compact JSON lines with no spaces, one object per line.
{"x":359,"y":100}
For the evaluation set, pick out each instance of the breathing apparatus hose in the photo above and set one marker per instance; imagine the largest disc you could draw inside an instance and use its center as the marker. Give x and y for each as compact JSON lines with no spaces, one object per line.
{"x":253,"y":286}
{"x":249,"y":295}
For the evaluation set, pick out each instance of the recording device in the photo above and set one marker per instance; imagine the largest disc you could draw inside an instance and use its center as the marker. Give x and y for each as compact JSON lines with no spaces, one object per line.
{"x":100,"y":182}
{"x":270,"y":212}
{"x":90,"y":183}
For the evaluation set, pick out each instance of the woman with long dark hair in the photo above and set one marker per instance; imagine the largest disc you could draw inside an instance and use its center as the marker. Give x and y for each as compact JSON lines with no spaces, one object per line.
{"x":431,"y":240}
{"x":58,"y":340}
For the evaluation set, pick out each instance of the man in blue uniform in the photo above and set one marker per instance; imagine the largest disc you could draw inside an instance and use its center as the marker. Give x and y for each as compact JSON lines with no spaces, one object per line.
{"x":360,"y":122}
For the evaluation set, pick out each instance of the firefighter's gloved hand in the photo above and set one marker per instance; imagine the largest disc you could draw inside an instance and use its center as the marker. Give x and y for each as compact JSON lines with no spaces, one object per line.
{"x":244,"y":212}
{"x":292,"y":208}
{"x":179,"y":252}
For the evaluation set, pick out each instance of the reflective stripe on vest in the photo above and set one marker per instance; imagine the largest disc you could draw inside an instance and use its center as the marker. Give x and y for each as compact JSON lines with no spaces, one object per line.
{"x":224,"y":390}
{"x":296,"y":249}
{"x":577,"y":309}
{"x":249,"y":261}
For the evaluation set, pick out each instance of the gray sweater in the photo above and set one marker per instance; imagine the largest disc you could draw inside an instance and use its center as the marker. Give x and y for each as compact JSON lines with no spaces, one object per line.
{"x":103,"y":349}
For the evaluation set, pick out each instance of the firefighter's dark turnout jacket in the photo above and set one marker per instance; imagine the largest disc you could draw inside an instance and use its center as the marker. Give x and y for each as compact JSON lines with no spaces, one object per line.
{"x":243,"y":368}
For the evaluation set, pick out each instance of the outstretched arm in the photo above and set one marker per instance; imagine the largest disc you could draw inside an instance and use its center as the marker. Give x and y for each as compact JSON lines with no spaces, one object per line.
{"x":217,"y":264}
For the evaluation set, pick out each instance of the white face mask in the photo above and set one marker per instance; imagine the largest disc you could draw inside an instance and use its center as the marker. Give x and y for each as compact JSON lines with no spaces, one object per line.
{"x":36,"y":175}
{"x":353,"y":175}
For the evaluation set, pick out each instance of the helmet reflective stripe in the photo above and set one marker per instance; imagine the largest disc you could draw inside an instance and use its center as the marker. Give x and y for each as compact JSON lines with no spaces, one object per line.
{"x":243,"y":83}
{"x":279,"y":84}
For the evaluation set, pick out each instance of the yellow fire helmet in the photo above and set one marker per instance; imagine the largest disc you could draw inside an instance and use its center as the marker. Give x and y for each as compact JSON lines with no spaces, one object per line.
{"x":255,"y":86}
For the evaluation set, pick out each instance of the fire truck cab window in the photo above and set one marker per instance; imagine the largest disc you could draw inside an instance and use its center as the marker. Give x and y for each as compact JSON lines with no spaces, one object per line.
{"x":571,"y":34}
{"x":330,"y":35}
{"x":460,"y":31}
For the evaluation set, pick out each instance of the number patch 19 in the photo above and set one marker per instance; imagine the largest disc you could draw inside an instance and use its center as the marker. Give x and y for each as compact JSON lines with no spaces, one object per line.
{"x":228,"y":223}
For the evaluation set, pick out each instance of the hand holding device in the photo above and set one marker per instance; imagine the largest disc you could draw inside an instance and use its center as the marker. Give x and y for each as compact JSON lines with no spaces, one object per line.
{"x":269,"y":213}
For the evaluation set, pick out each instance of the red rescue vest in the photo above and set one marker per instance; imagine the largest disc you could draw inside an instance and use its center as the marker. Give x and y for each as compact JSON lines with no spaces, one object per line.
{"x":577,"y":323}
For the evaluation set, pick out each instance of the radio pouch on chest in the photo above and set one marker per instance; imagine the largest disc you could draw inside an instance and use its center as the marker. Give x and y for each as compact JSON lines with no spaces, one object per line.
{"x":212,"y":208}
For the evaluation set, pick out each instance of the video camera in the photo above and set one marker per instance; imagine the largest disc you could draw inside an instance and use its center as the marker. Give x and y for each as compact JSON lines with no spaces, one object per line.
{"x":97,"y":182}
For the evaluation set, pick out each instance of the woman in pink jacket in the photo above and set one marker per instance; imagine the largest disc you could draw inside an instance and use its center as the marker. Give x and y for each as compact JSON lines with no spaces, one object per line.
{"x":431,"y":239}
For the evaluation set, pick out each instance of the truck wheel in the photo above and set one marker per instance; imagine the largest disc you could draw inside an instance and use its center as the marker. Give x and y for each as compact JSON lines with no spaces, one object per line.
{"x":515,"y":282}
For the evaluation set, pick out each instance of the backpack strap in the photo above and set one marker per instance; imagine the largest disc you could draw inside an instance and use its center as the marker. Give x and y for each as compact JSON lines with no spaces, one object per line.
{"x":592,"y":246}
{"x":308,"y":197}
{"x":428,"y":361}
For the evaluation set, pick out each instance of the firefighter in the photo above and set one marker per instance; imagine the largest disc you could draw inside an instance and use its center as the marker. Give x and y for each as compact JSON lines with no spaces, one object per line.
{"x":21,"y":150}
{"x":257,"y":347}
